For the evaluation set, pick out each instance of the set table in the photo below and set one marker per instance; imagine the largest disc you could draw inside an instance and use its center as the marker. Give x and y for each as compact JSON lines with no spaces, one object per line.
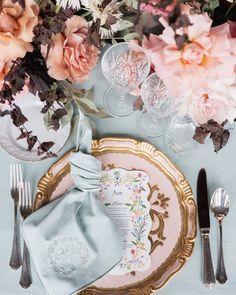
{"x":220,"y":172}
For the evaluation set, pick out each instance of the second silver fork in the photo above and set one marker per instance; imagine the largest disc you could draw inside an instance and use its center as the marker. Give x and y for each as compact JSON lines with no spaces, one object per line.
{"x":25,"y":211}
{"x":15,"y":183}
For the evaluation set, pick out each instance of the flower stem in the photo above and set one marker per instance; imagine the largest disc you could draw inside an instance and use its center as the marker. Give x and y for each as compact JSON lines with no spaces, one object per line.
{"x":230,"y":8}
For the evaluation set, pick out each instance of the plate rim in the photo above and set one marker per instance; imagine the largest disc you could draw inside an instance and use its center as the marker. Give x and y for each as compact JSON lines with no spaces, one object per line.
{"x":64,"y":132}
{"x":48,"y":183}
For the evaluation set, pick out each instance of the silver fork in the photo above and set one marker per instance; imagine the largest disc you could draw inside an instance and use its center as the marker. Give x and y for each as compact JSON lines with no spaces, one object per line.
{"x":15,"y":182}
{"x":25,"y":211}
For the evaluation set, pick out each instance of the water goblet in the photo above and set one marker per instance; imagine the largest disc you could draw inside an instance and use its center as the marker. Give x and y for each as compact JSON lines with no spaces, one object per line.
{"x":158,"y":105}
{"x":125,"y":66}
{"x":179,"y":137}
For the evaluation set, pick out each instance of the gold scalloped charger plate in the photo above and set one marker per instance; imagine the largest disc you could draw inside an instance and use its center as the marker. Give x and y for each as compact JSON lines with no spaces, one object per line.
{"x":172,"y":210}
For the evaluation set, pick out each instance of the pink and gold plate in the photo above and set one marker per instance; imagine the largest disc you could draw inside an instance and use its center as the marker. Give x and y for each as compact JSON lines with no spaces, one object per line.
{"x":173,"y":211}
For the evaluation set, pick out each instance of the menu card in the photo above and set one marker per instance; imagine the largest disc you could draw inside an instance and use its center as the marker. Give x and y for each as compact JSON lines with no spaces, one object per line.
{"x":125,"y":194}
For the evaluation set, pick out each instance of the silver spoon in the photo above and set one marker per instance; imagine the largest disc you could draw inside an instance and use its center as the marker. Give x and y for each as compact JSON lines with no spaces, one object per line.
{"x":220,"y":208}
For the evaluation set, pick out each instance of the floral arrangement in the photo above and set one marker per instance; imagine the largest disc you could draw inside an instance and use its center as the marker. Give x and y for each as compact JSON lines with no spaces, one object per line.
{"x":196,"y":59}
{"x":49,"y":46}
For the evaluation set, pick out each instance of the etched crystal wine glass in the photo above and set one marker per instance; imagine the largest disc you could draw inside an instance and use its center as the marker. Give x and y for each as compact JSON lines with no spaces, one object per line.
{"x":125,"y":66}
{"x":158,"y":105}
{"x":179,"y":137}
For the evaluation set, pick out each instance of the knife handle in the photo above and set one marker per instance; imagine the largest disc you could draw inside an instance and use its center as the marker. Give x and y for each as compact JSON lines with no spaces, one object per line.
{"x":208,"y":275}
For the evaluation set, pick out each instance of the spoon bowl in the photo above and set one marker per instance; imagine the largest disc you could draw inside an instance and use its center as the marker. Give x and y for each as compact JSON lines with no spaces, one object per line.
{"x":220,"y":202}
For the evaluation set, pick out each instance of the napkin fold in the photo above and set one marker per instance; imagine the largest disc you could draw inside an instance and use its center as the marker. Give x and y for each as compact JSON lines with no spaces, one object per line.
{"x":73,"y":241}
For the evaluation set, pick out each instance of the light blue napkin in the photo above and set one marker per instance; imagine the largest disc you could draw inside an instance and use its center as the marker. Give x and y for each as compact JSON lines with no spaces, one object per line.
{"x":72,"y":241}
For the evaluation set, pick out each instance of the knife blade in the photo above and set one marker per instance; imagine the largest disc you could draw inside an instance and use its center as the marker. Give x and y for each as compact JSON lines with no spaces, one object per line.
{"x":204,"y":224}
{"x":202,"y":201}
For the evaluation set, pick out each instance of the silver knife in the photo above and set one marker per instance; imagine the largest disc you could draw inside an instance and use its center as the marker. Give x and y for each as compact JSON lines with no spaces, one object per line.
{"x":204,"y":224}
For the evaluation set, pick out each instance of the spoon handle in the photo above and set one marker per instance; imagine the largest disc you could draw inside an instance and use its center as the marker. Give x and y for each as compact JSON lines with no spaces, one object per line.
{"x":221,"y":275}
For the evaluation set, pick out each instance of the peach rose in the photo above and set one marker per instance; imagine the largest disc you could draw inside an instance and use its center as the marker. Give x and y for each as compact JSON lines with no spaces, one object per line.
{"x":16,"y":29}
{"x":4,"y":69}
{"x":71,"y":57}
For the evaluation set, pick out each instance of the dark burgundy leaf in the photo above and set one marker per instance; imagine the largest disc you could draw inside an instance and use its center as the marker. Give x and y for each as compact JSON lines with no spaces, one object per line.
{"x":212,"y":126}
{"x":58,"y":26}
{"x":49,"y":155}
{"x":59,"y":113}
{"x":54,"y":123}
{"x":138,"y":104}
{"x":21,"y":2}
{"x":218,"y":134}
{"x":45,"y":147}
{"x":163,"y":3}
{"x":42,"y":35}
{"x":17,"y":116}
{"x":182,"y":21}
{"x":4,"y":113}
{"x":6,"y":93}
{"x":225,"y":137}
{"x":93,"y":34}
{"x":46,"y":108}
{"x":31,"y":140}
{"x":38,"y":82}
{"x":105,"y":3}
{"x":111,"y":20}
{"x":174,"y":14}
{"x":181,"y":40}
{"x":16,"y":77}
{"x":220,"y":138}
{"x":201,"y":134}
{"x":23,"y":134}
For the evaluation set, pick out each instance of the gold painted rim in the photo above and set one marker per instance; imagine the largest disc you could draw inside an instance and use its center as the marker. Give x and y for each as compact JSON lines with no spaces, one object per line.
{"x":184,"y":247}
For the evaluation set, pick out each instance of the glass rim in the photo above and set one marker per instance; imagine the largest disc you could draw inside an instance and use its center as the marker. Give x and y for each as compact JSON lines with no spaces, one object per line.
{"x":150,"y":76}
{"x":120,"y":44}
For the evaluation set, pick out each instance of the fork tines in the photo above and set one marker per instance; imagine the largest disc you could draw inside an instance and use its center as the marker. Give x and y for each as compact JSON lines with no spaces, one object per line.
{"x":16,"y":178}
{"x":25,"y":198}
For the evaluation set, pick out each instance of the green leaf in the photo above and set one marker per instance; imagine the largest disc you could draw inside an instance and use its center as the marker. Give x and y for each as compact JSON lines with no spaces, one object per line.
{"x":211,"y":5}
{"x":67,"y":118}
{"x":131,"y":36}
{"x":88,"y":107}
{"x":113,"y":41}
{"x":47,"y":119}
{"x":125,"y":24}
{"x":132,"y":3}
{"x":127,"y":204}
{"x":93,"y":127}
{"x":89,"y":94}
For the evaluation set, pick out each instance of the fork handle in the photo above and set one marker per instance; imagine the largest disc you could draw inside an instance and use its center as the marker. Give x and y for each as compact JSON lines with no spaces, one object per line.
{"x":25,"y":278}
{"x":16,"y":260}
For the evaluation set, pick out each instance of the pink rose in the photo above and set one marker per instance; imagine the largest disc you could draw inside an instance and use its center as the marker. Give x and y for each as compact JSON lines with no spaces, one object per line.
{"x":71,"y":57}
{"x":210,"y":54}
{"x":217,"y":102}
{"x":16,"y":29}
